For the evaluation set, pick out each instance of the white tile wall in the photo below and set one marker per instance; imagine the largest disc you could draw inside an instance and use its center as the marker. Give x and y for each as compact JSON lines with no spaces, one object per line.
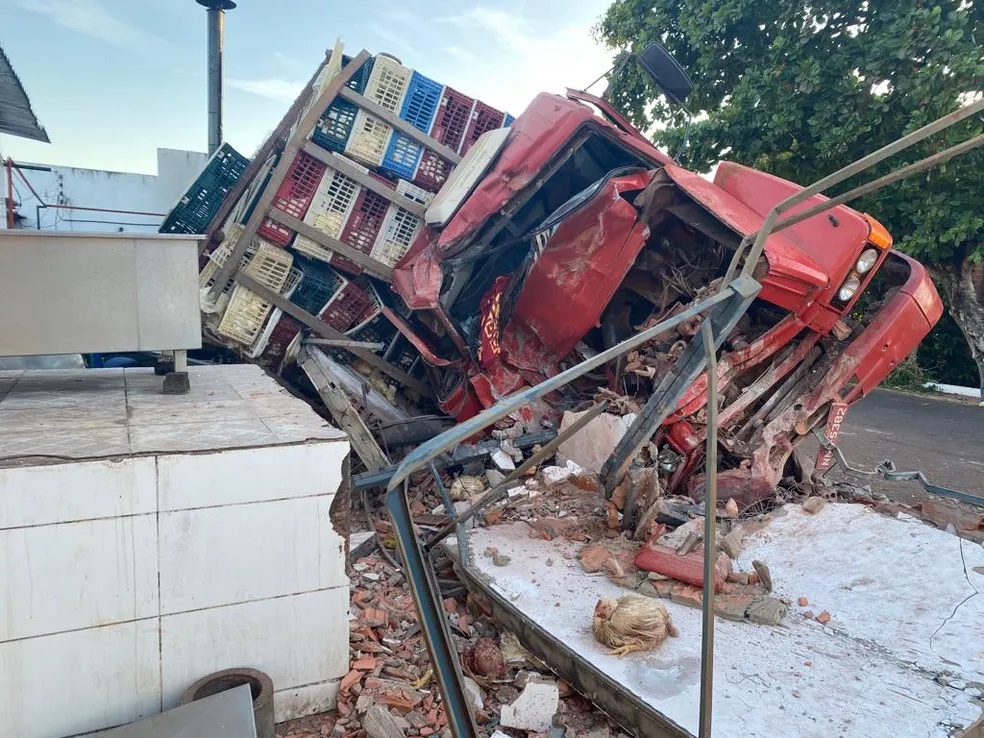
{"x":78,"y":575}
{"x":290,"y":704}
{"x":239,"y":553}
{"x":61,"y":493}
{"x":248,"y":475}
{"x":82,"y":681}
{"x":119,"y":574}
{"x":298,"y":640}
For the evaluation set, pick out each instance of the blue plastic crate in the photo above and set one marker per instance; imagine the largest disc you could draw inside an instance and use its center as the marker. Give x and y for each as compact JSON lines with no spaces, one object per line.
{"x":361,"y":77}
{"x":332,"y":132}
{"x":402,"y":156}
{"x":201,"y":202}
{"x":420,"y":104}
{"x":317,"y":286}
{"x":508,"y":121}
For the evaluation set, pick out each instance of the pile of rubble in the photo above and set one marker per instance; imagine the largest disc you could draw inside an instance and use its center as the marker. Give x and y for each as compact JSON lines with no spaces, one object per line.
{"x":390,"y":690}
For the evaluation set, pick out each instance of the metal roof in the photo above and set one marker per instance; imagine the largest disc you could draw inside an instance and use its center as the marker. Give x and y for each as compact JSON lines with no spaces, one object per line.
{"x":16,"y":116}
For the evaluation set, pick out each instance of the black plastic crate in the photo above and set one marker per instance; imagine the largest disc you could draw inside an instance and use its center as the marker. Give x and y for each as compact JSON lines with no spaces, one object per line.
{"x":202,"y":201}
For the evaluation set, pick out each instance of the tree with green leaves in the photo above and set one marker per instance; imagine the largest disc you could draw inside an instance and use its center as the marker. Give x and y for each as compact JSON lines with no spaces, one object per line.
{"x":800,"y":88}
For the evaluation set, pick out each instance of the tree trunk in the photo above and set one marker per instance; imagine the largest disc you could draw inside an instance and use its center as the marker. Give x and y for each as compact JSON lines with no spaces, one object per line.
{"x":963,"y":301}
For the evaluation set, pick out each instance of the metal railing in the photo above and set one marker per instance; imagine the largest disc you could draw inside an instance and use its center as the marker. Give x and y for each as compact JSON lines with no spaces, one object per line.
{"x":726,"y":306}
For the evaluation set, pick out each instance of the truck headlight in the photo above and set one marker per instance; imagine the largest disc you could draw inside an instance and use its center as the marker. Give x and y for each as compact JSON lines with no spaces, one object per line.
{"x":867,"y":260}
{"x":847,"y":290}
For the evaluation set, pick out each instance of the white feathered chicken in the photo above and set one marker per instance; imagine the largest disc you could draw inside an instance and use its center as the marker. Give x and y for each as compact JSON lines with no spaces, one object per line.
{"x":633,"y":622}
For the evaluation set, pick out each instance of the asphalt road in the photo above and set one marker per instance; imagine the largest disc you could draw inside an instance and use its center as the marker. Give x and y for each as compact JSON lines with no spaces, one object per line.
{"x":942,"y":437}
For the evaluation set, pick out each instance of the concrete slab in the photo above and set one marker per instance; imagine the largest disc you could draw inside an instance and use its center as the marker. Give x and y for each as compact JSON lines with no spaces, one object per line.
{"x":904,"y":611}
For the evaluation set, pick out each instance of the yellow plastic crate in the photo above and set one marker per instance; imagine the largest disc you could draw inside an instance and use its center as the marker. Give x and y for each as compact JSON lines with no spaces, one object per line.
{"x":270,"y":266}
{"x":244,"y":316}
{"x":368,"y":140}
{"x":388,"y":83}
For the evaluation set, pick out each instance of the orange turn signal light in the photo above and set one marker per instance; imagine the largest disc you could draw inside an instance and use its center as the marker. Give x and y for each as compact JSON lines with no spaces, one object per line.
{"x":878,"y":234}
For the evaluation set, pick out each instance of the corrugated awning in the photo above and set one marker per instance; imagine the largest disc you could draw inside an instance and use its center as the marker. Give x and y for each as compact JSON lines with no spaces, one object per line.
{"x":16,"y":116}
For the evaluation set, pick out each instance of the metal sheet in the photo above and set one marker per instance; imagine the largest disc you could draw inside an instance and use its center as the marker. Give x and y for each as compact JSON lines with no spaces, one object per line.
{"x":227,"y":714}
{"x":81,"y":293}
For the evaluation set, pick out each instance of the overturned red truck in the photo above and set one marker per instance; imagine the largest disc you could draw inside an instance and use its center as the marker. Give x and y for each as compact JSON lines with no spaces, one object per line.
{"x":572,"y":231}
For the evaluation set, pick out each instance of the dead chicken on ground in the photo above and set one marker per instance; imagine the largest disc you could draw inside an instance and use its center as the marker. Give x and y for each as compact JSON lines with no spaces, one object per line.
{"x":630,"y":623}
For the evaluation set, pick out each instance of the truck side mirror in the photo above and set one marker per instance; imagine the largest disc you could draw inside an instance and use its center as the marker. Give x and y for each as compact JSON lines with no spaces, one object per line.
{"x":665,"y":72}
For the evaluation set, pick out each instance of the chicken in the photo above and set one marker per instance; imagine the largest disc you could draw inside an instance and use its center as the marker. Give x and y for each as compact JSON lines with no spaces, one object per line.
{"x":632,"y":623}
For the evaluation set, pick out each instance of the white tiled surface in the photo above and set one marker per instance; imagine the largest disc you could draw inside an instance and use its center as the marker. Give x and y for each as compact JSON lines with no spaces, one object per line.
{"x":114,"y":571}
{"x":62,"y":493}
{"x":288,"y":638}
{"x":240,"y":553}
{"x":60,"y":685}
{"x":78,"y":575}
{"x":247,"y":475}
{"x":93,"y":413}
{"x":289,"y":704}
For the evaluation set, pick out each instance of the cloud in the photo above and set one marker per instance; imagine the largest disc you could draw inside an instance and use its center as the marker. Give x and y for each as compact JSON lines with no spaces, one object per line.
{"x":529,"y":57}
{"x":396,"y":42}
{"x":90,"y":18}
{"x":274,"y":89}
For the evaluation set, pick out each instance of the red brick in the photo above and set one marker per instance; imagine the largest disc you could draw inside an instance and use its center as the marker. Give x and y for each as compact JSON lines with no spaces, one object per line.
{"x":463,"y":624}
{"x":349,"y":679}
{"x":663,"y":560}
{"x":685,"y":594}
{"x":450,"y":604}
{"x":367,"y":663}
{"x":823,"y":618}
{"x":802,"y":602}
{"x":594,"y":557}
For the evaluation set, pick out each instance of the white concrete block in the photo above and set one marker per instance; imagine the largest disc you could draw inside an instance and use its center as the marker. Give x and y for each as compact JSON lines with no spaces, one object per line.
{"x":290,"y":704}
{"x":250,"y":475}
{"x":300,"y":640}
{"x":62,"y":493}
{"x":77,"y":575}
{"x":240,"y":553}
{"x":77,"y":682}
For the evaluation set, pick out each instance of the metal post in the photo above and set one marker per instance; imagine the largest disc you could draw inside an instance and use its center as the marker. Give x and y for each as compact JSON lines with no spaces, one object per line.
{"x":216,"y":23}
{"x":10,"y":193}
{"x":710,"y":541}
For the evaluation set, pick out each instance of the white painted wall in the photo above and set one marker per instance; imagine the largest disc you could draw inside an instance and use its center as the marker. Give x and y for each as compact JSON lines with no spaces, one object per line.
{"x":124,"y":581}
{"x":94,"y":188}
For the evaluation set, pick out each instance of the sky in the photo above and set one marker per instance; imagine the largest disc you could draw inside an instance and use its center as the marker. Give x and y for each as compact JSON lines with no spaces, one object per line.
{"x":113,"y":80}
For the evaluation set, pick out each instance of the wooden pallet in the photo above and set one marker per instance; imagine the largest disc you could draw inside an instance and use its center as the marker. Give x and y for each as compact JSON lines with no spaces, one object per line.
{"x":292,"y":136}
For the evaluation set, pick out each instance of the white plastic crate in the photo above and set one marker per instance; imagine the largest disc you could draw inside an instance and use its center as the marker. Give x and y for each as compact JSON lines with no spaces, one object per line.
{"x":368,"y":140}
{"x":388,"y":83}
{"x":399,"y":230}
{"x":270,"y":266}
{"x":243,"y":319}
{"x":412,"y":192}
{"x":329,"y":211}
{"x":216,"y":260}
{"x":260,"y":344}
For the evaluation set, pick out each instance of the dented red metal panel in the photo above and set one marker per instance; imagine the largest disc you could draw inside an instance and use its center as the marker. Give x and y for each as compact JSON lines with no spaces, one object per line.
{"x":571,"y":283}
{"x":794,"y":279}
{"x":833,"y":239}
{"x":544,"y":130}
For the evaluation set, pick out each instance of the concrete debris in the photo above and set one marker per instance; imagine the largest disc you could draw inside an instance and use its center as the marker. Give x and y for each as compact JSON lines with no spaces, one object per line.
{"x":731,"y":508}
{"x":766,"y":610}
{"x":813,"y":505}
{"x":476,"y":697}
{"x":765,"y":576}
{"x":494,"y":477}
{"x":592,"y":446}
{"x":552,"y":475}
{"x":535,"y":708}
{"x":503,"y":460}
{"x":379,"y":722}
{"x":731,"y":543}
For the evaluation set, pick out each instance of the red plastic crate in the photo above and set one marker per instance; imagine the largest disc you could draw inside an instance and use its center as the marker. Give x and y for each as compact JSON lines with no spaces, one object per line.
{"x":283,"y":334}
{"x":453,"y":116}
{"x":484,"y":118}
{"x":294,"y":196}
{"x":345,"y":307}
{"x":432,"y":172}
{"x":362,"y":228}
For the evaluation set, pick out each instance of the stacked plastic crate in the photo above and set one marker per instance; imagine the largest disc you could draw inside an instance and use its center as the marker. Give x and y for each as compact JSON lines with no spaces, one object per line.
{"x":195,"y":210}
